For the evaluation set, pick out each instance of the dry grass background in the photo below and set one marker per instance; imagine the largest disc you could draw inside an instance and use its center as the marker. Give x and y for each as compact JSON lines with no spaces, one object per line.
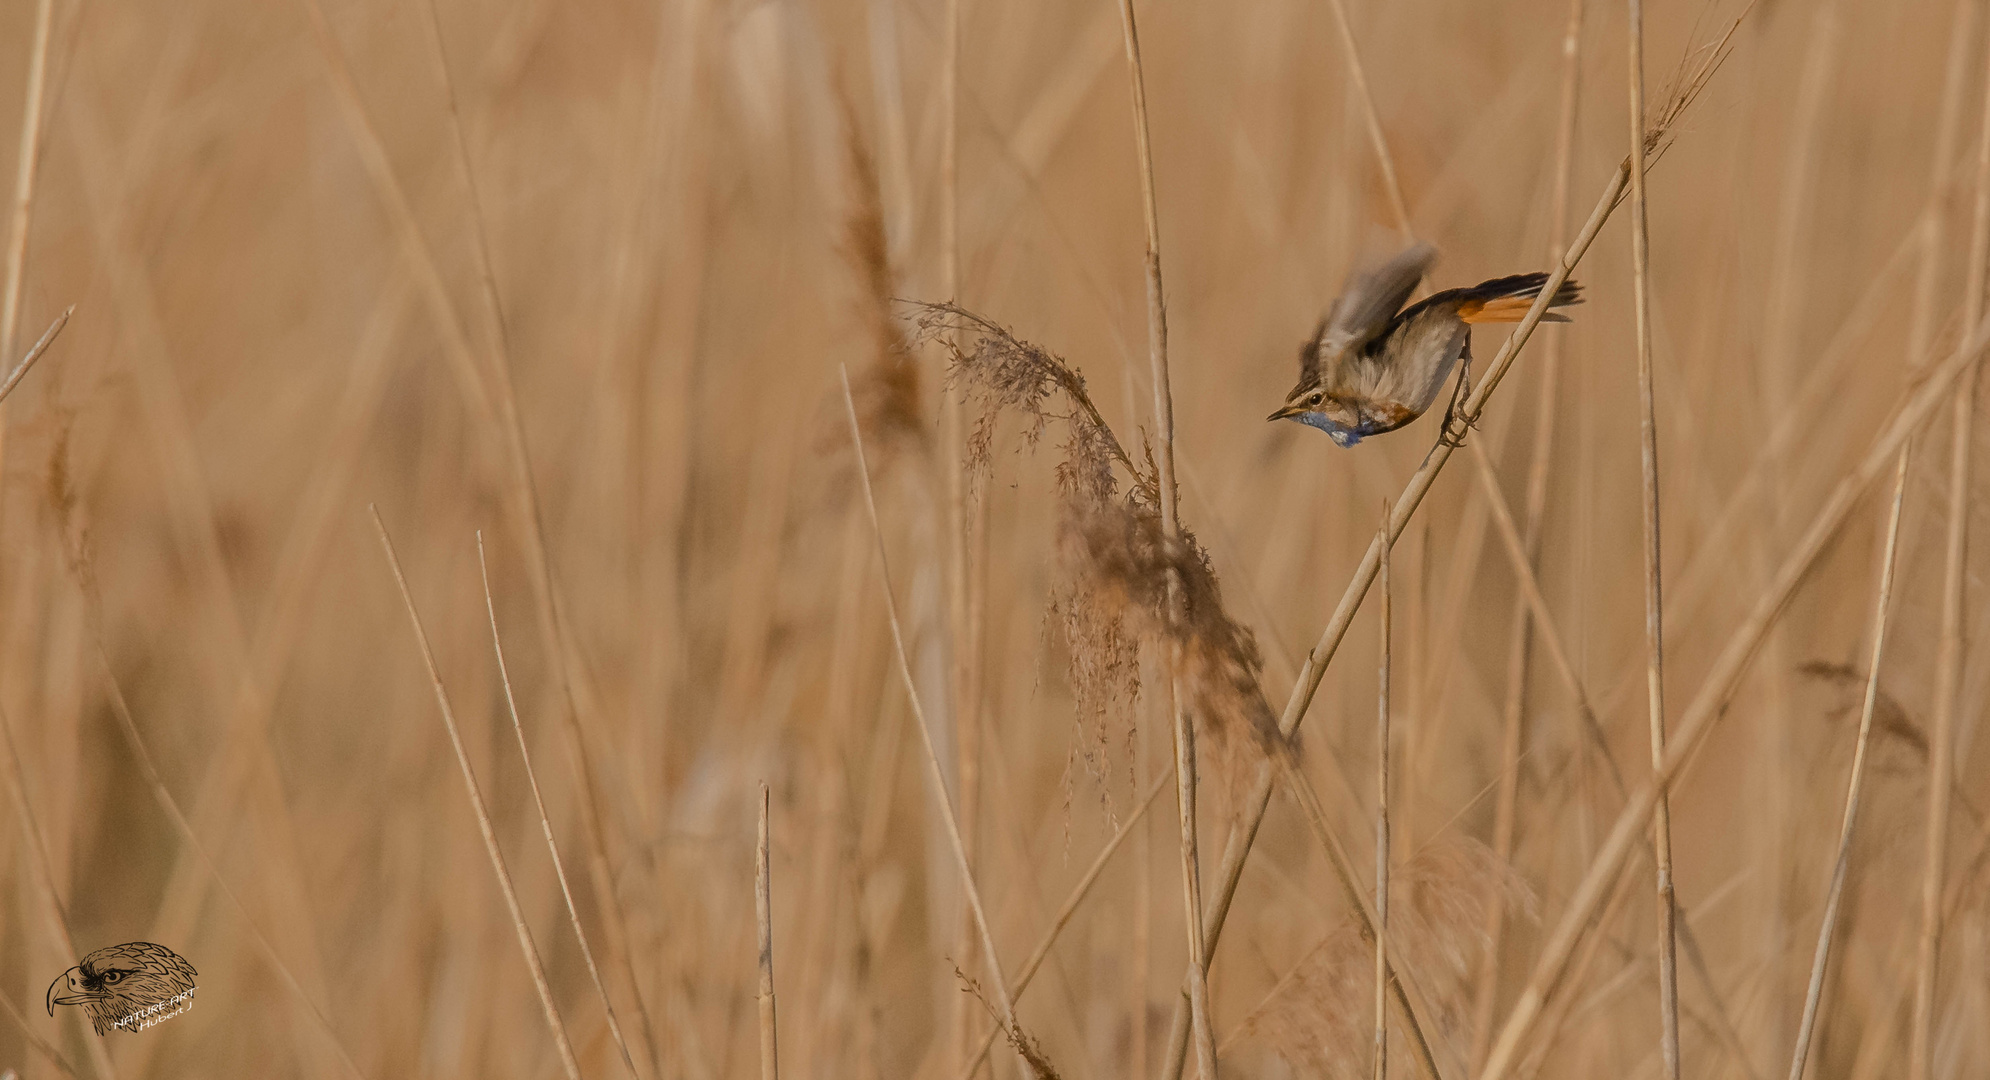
{"x":689,"y":212}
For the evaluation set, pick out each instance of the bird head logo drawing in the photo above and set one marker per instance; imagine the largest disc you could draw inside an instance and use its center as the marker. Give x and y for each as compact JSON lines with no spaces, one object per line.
{"x":127,"y":987}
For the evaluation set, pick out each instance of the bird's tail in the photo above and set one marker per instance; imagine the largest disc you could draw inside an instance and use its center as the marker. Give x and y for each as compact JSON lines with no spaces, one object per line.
{"x":1506,"y":300}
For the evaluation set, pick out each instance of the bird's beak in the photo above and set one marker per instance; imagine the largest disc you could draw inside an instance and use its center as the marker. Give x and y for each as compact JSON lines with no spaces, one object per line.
{"x":66,"y":999}
{"x":1287,"y":412}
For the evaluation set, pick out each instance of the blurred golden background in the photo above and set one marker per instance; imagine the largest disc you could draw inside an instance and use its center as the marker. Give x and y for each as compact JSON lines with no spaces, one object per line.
{"x":581,"y":276}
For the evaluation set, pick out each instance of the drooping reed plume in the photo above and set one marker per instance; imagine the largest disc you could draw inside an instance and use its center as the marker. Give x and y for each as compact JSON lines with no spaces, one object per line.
{"x":1116,"y":556}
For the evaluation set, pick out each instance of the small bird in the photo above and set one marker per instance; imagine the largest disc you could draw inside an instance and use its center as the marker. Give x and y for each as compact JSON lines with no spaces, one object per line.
{"x":1370,"y":369}
{"x":129,"y":986}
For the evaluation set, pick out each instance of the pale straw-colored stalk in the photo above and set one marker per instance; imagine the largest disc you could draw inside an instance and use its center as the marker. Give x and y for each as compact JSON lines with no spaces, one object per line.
{"x":1661,"y":830}
{"x":1164,"y":464}
{"x":1382,"y":811}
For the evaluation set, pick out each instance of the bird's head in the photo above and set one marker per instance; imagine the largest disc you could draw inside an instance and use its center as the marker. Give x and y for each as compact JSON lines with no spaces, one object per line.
{"x":122,"y":980}
{"x":1311,"y":405}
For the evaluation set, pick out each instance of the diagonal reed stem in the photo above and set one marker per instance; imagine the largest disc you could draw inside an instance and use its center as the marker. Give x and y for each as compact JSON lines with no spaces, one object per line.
{"x":1814,"y":993}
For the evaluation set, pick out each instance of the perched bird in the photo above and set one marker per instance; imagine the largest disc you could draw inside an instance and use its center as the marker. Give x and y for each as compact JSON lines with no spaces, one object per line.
{"x":126,"y":986}
{"x":1370,"y":369}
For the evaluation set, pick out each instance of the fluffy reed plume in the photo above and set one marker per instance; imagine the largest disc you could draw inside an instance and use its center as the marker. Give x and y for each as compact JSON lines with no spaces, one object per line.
{"x":1117,"y":558}
{"x":1317,"y":1017}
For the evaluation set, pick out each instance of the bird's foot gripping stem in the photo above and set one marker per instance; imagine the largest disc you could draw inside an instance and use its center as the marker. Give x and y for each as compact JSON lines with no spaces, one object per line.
{"x":1456,"y":422}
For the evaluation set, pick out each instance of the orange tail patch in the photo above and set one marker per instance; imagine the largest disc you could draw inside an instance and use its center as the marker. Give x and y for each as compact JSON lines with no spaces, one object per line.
{"x":1503,"y":309}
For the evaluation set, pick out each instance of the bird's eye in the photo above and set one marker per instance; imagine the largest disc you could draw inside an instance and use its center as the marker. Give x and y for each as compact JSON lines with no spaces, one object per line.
{"x":1314,"y":398}
{"x":113,"y":976}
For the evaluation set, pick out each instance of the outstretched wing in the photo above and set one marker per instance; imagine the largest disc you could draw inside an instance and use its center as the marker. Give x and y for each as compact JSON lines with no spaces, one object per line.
{"x":1364,"y":308}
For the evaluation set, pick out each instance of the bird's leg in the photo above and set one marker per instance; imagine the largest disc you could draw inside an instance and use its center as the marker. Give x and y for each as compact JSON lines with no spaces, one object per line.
{"x":1455,"y":422}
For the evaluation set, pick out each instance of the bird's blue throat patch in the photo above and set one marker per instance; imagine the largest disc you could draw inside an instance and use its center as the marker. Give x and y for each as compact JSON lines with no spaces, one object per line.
{"x":1342,"y":436}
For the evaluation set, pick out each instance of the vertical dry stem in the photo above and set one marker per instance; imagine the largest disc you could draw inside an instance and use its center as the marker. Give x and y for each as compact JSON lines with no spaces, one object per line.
{"x":763,"y":912}
{"x":484,"y":827}
{"x":1949,"y":657}
{"x":1164,"y":460}
{"x":1382,"y":810}
{"x":1668,"y":958}
{"x":1815,"y":992}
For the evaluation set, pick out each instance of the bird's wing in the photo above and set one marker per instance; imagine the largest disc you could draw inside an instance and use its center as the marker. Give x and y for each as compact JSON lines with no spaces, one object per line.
{"x":1364,"y":308}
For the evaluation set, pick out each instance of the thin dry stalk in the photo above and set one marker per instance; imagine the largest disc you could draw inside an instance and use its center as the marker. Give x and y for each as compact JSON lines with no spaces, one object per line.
{"x":1064,"y":913}
{"x":1164,"y":462}
{"x":1949,"y":655}
{"x":1661,"y":836}
{"x":545,"y":820}
{"x":27,"y":163}
{"x":484,"y":827}
{"x":1815,"y":992}
{"x":763,"y":914}
{"x":41,"y":345}
{"x":1710,"y":704}
{"x":934,"y":773}
{"x":1382,"y":809}
{"x":1507,"y":801}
